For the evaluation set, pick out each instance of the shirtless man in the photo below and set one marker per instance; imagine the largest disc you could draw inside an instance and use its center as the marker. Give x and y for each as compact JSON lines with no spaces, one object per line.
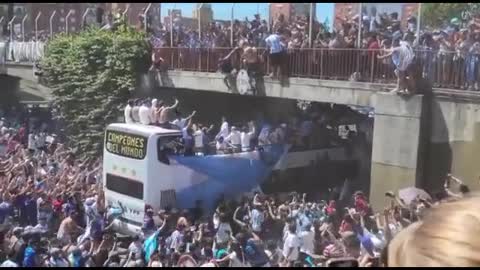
{"x":68,"y":228}
{"x":251,"y":62}
{"x":164,"y":114}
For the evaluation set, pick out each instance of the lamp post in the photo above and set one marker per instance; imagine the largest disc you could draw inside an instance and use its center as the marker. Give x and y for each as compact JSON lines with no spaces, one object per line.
{"x":145,"y":16}
{"x":199,"y":21}
{"x":84,"y":16}
{"x":171,"y":24}
{"x":51,"y":22}
{"x":310,"y":27}
{"x":23,"y":26}
{"x":66,"y":20}
{"x":36,"y":25}
{"x":10,"y":23}
{"x":231,"y":26}
{"x":419,"y":20}
{"x":125,"y":13}
{"x":360,"y":22}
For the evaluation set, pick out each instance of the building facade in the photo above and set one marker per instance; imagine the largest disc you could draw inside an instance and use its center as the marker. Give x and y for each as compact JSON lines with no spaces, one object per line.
{"x":290,"y":10}
{"x":349,"y":10}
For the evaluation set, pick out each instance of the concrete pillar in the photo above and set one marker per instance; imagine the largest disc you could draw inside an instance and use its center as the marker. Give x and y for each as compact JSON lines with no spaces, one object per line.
{"x":396,"y":139}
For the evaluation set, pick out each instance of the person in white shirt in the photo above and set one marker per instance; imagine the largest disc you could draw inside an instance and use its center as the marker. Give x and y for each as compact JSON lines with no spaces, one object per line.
{"x":41,"y":140}
{"x":198,"y":137}
{"x":291,"y":246}
{"x":224,"y":231}
{"x":128,"y":112}
{"x":221,"y":146}
{"x":31,"y":142}
{"x":144,"y":114}
{"x":246,"y":137}
{"x":135,"y":111}
{"x":224,"y":130}
{"x":153,"y":111}
{"x":181,"y":122}
{"x":234,"y":138}
{"x":308,"y":240}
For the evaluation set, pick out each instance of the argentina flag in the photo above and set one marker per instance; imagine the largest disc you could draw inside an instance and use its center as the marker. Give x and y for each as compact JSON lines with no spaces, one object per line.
{"x":150,"y":245}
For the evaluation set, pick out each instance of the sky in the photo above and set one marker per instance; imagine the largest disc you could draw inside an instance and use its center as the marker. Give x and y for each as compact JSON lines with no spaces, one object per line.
{"x":222,"y":11}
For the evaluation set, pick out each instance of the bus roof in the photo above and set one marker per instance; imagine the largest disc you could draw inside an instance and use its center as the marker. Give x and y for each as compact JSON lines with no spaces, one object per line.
{"x":140,"y":129}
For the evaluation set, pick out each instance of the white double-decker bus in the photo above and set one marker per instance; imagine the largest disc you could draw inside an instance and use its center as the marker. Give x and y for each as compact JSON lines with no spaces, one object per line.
{"x":141,"y":167}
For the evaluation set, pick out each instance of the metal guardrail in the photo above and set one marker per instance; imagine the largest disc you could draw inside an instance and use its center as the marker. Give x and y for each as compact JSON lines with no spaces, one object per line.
{"x":444,"y":70}
{"x":21,"y":52}
{"x":447,"y":70}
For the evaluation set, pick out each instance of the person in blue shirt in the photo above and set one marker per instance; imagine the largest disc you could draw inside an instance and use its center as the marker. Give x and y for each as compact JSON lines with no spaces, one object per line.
{"x":30,"y":258}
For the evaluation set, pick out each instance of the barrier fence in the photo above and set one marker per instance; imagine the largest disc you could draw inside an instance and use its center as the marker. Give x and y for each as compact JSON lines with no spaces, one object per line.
{"x":447,"y":70}
{"x":24,"y":52}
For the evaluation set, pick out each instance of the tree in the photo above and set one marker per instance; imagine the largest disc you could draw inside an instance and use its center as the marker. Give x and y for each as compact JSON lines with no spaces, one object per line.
{"x":92,"y":75}
{"x":438,"y":14}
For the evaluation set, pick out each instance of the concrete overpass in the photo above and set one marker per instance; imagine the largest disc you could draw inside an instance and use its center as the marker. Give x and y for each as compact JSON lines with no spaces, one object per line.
{"x":417,"y":140}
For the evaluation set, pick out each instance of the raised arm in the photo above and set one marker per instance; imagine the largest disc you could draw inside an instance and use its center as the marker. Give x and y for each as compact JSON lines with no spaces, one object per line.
{"x":174,"y":105}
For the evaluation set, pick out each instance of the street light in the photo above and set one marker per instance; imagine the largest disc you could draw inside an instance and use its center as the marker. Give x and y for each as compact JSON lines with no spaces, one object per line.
{"x":23,"y":27}
{"x":10,"y":23}
{"x":231,"y":27}
{"x":51,"y":23}
{"x":66,"y":20}
{"x":418,"y":21}
{"x":145,"y":16}
{"x":360,"y":22}
{"x":199,"y":21}
{"x":84,"y":16}
{"x":310,"y":28}
{"x":125,"y":13}
{"x":36,"y":25}
{"x":171,"y":24}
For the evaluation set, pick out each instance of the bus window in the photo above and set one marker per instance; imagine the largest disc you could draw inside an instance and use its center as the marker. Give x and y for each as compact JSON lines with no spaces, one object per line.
{"x":125,"y":186}
{"x":169,"y":145}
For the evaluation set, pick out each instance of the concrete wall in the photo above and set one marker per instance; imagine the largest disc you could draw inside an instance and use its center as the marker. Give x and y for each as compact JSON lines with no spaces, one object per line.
{"x":454,"y":142}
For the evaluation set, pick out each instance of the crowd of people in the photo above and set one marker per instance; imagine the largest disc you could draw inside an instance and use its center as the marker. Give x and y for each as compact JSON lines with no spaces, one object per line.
{"x":53,"y":214}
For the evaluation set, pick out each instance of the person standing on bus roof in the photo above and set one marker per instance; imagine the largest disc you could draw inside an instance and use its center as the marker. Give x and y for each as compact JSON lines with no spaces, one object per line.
{"x":234,"y":138}
{"x":164,"y":120}
{"x":135,"y":111}
{"x":128,"y":112}
{"x":153,"y":111}
{"x":224,"y":130}
{"x":144,"y":113}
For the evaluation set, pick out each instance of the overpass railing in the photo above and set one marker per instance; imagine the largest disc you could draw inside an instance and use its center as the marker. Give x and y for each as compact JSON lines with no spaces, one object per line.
{"x":448,"y":70}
